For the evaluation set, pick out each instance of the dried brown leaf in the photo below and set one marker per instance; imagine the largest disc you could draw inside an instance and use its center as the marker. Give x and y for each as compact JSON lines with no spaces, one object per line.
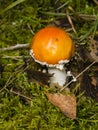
{"x":66,"y":103}
{"x":94,"y":81}
{"x":94,"y":50}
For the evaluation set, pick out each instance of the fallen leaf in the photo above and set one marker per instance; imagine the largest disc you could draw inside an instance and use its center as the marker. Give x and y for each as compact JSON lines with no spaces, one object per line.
{"x":94,"y":81}
{"x":94,"y":49}
{"x":66,"y":103}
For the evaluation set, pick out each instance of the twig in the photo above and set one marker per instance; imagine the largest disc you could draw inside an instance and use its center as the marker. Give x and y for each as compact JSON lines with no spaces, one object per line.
{"x":15,"y":47}
{"x":17,"y":93}
{"x":14,"y":57}
{"x":78,"y":75}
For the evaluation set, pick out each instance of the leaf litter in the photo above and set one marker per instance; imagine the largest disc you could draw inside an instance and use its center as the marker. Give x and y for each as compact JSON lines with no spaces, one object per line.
{"x":66,"y":103}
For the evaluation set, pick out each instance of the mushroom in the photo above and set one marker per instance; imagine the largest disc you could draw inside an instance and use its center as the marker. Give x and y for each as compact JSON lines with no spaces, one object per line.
{"x":53,"y":47}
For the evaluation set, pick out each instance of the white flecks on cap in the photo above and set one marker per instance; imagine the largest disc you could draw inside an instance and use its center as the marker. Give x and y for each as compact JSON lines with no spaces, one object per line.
{"x":59,"y":65}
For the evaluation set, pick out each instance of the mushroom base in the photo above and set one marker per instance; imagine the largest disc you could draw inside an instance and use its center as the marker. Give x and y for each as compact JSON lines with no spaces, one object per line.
{"x":59,"y":76}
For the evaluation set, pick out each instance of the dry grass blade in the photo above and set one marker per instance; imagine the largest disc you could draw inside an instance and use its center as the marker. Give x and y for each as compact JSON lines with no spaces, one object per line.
{"x":70,"y":21}
{"x":88,"y":17}
{"x":12,"y":5}
{"x":96,"y":2}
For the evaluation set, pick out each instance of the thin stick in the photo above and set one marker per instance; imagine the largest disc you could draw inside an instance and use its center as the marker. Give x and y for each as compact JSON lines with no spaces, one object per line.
{"x":78,"y":75}
{"x":17,"y":93}
{"x":14,"y":57}
{"x":18,"y":46}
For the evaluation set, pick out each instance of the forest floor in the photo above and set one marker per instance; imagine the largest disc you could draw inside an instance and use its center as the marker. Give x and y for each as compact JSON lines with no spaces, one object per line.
{"x":24,"y":91}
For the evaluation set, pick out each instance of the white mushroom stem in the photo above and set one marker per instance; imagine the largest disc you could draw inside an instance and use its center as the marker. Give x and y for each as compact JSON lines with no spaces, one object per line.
{"x":59,"y":76}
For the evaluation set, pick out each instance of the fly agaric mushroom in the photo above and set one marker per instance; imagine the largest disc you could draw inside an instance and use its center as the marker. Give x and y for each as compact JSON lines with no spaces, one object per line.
{"x":53,"y":47}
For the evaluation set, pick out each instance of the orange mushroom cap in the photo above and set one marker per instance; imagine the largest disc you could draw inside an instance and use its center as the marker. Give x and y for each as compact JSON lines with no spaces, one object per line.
{"x":52,"y":45}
